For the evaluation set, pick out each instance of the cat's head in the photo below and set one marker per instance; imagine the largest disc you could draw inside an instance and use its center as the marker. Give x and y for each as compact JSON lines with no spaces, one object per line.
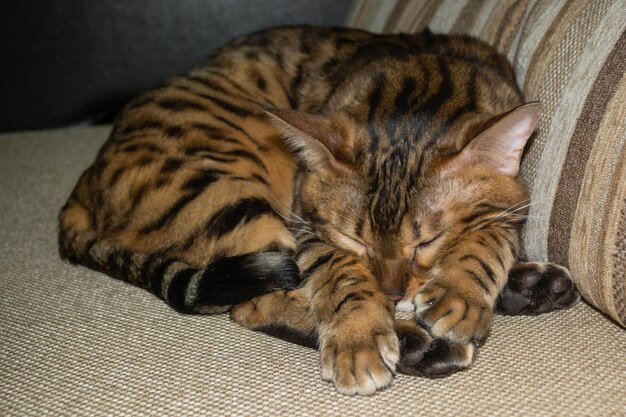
{"x":400,"y":210}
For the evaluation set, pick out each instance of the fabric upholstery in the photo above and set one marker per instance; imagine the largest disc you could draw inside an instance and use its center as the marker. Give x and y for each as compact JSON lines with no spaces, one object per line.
{"x":74,"y":342}
{"x":570,"y":55}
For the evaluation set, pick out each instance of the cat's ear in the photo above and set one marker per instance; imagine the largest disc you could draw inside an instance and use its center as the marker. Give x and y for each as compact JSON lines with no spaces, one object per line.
{"x":501,"y":144}
{"x":320,"y":141}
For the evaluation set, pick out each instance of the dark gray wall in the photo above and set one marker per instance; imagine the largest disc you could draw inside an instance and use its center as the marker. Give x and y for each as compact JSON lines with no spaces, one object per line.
{"x":70,"y":61}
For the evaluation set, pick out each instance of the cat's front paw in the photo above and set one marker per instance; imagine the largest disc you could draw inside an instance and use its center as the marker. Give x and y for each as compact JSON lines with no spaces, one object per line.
{"x":358,"y":364}
{"x":536,"y":288}
{"x":451,"y":314}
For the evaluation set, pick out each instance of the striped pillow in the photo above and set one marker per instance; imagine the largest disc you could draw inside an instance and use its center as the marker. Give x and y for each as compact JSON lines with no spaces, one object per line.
{"x":571,"y":56}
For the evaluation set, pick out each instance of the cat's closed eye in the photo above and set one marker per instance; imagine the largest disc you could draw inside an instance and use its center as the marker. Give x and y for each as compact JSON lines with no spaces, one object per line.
{"x":354,"y":245}
{"x":423,"y":251}
{"x":428,"y":242}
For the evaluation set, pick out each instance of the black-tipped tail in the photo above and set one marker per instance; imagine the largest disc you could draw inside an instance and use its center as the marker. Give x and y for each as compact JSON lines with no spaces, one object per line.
{"x":240,"y":278}
{"x":220,"y":284}
{"x":187,"y":289}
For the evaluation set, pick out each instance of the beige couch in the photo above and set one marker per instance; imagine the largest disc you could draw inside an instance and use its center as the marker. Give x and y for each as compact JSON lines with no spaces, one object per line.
{"x":75,"y":342}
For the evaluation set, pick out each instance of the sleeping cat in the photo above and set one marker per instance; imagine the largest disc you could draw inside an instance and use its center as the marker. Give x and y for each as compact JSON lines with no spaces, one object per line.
{"x":309,"y":177}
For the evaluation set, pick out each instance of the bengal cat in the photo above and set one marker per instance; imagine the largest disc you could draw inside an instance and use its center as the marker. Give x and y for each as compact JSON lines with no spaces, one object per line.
{"x":310,"y":177}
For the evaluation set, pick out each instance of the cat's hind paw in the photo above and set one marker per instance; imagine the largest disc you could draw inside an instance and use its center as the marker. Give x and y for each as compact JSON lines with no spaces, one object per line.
{"x":536,"y":288}
{"x":421,"y":355}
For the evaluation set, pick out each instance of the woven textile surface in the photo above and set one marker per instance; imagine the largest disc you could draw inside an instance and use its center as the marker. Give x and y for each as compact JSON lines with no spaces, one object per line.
{"x":75,"y":342}
{"x":571,"y":56}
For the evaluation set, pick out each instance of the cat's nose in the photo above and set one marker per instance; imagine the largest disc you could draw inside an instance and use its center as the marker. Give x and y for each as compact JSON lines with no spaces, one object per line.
{"x":391,"y":275}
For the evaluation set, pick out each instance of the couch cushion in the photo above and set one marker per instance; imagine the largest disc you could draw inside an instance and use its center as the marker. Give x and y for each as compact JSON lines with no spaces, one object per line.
{"x":571,"y":56}
{"x":78,"y":343}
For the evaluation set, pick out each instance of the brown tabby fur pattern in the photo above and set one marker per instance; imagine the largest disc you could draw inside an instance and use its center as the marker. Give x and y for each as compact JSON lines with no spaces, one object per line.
{"x":310,"y":177}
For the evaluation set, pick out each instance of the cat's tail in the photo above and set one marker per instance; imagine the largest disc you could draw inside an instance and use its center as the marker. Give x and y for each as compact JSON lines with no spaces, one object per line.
{"x":209,"y":289}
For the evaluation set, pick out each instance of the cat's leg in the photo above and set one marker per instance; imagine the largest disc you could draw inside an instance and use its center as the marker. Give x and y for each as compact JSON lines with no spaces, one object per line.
{"x":420,"y":353}
{"x":414,"y":282}
{"x":286,"y":315}
{"x":536,"y":288}
{"x":283,"y":314}
{"x":341,"y":304}
{"x":458,"y":300}
{"x":358,"y":344}
{"x":423,"y":355}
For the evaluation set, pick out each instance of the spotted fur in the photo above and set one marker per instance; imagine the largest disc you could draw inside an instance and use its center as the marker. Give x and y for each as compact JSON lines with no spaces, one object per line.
{"x":309,"y":176}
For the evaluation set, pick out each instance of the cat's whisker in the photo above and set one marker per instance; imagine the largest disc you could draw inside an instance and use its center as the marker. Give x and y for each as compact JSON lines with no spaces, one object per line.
{"x":518,"y":206}
{"x":298,"y":218}
{"x":508,"y":218}
{"x":512,"y":210}
{"x":302,"y":231}
{"x":513,"y":217}
{"x":287,"y":218}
